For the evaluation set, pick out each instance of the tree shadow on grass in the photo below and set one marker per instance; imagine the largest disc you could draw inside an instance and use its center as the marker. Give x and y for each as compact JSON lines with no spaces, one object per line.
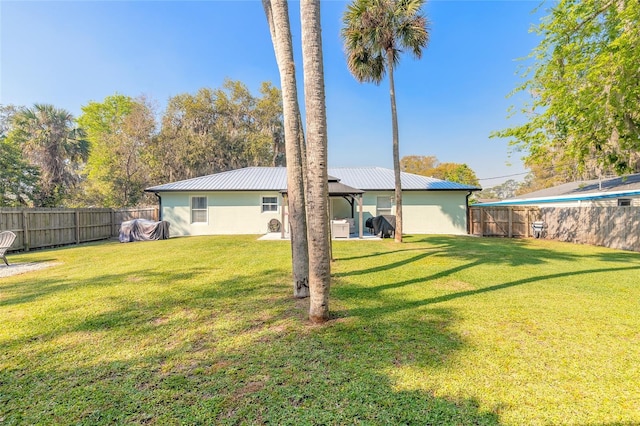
{"x":379,"y":253}
{"x":28,"y":290}
{"x":185,"y":347}
{"x":423,"y":254}
{"x":135,"y":302}
{"x":618,"y":256}
{"x":473,"y":251}
{"x":466,"y":254}
{"x":232,"y":350}
{"x":281,"y":372}
{"x":404,"y":305}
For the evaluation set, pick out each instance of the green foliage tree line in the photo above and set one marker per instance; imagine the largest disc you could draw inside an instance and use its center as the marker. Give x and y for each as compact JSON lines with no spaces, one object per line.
{"x":507,"y":189}
{"x":430,"y":166}
{"x":18,"y":179}
{"x":582,"y":119}
{"x":48,"y":147}
{"x":117,"y":147}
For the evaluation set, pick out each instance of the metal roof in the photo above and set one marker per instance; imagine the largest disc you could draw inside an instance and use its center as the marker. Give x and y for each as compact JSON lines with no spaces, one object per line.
{"x":562,"y":198}
{"x":246,"y":179}
{"x":379,"y":178}
{"x":275,"y":179}
{"x":597,"y":189}
{"x":595,"y":186}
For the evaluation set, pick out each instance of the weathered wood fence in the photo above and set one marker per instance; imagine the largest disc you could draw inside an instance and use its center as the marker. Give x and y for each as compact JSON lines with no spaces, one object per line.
{"x":614,"y":227}
{"x":503,"y":221}
{"x":40,"y":227}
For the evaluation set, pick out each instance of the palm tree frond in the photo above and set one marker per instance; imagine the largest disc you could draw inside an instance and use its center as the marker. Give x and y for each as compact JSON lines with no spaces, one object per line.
{"x":413,"y":35}
{"x":410,"y":7}
{"x":52,"y":143}
{"x":373,"y":27}
{"x":374,"y":33}
{"x":365,"y":67}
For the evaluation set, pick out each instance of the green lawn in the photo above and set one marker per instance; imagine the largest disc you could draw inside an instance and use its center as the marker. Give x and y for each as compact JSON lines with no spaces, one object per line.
{"x":439,"y":330}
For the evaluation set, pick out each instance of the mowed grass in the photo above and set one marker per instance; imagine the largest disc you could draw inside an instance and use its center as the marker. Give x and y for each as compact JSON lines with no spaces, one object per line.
{"x":439,"y":330}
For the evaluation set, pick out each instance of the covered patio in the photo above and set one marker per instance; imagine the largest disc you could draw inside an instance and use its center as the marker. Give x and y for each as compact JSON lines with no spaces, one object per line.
{"x":336,"y":190}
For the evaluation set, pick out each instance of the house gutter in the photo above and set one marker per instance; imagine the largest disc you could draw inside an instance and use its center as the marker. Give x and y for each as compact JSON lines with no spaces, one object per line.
{"x":159,"y":205}
{"x":467,"y":211}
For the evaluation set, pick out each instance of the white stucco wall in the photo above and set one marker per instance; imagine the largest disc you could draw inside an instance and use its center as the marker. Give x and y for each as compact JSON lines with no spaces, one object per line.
{"x":434,"y":212}
{"x":424,"y":212}
{"x":228,"y":213}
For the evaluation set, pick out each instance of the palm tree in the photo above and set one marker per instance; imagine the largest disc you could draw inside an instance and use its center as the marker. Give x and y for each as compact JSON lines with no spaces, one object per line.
{"x":18,"y":180}
{"x":375,"y":32}
{"x":51,"y":142}
{"x":277,"y":12}
{"x":317,"y":179}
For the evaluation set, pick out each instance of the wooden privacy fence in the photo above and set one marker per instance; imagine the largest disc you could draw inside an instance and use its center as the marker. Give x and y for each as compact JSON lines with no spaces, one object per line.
{"x":40,"y":227}
{"x":503,"y":221}
{"x":613,"y":227}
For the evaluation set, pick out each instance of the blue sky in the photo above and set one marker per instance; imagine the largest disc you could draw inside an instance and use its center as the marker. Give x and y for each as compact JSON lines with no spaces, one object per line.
{"x":71,"y":52}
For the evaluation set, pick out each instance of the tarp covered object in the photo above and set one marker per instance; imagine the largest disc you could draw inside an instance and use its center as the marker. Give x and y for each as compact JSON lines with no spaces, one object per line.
{"x":143,"y":230}
{"x":384,"y":225}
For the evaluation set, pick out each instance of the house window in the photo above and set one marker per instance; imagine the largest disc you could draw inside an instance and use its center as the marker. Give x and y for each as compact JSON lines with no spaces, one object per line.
{"x":269,"y":204}
{"x":198,"y":209}
{"x":383,"y":205}
{"x":624,"y":202}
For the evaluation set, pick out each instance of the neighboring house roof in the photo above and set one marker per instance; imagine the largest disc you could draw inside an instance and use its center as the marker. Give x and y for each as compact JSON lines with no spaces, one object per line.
{"x":275,"y":179}
{"x":616,"y":187}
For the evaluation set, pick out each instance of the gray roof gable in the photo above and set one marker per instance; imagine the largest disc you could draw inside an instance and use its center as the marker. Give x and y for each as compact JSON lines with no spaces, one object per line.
{"x":595,"y":186}
{"x":622,"y":186}
{"x":380,"y":178}
{"x":275,"y":179}
{"x":246,"y":179}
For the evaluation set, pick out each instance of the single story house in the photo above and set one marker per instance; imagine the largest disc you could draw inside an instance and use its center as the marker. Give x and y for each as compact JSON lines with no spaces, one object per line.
{"x":246,"y":201}
{"x":615,"y":191}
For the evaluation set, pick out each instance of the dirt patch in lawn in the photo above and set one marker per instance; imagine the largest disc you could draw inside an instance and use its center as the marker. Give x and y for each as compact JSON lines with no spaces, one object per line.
{"x":23,"y":268}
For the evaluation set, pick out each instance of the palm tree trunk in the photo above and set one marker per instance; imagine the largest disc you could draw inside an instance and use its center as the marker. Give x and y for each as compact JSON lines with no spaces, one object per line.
{"x":396,"y":148}
{"x":318,"y":191}
{"x":278,"y":17}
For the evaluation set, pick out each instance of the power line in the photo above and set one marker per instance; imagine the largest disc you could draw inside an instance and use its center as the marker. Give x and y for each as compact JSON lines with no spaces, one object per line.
{"x":564,"y":175}
{"x":505,"y":176}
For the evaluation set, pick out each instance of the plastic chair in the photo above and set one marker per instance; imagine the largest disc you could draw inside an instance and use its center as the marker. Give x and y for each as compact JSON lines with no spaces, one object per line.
{"x":6,"y":239}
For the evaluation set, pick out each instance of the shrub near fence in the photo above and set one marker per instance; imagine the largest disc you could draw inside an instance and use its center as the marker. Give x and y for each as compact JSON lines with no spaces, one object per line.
{"x":40,"y":228}
{"x":613,"y":227}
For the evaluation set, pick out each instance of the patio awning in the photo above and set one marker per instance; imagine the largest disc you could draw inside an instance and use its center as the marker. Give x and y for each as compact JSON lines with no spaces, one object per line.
{"x":337,"y":189}
{"x":340,"y":189}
